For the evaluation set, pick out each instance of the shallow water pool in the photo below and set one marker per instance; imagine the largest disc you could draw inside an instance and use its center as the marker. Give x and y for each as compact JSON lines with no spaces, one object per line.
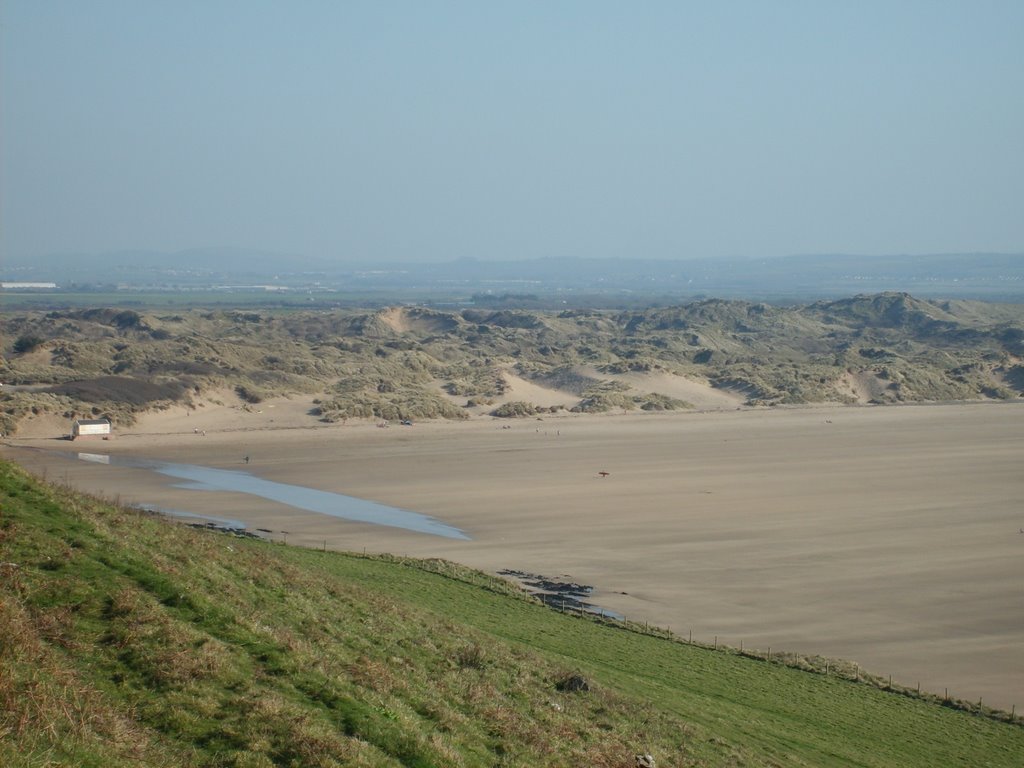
{"x":199,"y":478}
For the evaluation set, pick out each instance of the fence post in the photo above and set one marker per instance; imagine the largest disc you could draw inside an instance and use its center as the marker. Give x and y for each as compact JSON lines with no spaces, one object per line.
{"x":716,"y":642}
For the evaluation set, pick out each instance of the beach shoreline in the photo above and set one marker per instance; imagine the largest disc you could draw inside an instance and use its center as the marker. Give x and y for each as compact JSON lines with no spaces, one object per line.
{"x":882,"y":535}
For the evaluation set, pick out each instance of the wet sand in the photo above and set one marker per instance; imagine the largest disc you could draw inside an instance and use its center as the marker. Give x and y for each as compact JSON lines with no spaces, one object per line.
{"x":888,"y":536}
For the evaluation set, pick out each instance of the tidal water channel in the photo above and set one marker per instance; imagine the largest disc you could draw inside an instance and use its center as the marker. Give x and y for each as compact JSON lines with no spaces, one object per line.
{"x":338,"y":505}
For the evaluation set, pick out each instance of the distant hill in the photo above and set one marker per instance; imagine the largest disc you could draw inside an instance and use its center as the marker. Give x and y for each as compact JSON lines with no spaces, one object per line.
{"x":143,"y":267}
{"x":544,"y":282}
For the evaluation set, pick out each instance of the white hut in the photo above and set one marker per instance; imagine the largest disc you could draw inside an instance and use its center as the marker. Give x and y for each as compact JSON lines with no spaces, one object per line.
{"x":90,"y":428}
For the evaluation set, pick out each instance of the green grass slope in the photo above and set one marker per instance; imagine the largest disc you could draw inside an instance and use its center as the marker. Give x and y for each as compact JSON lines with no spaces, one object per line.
{"x":127,"y":640}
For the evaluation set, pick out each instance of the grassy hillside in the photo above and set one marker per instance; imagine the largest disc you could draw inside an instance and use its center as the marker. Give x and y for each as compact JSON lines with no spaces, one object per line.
{"x":127,"y":640}
{"x":412,"y":362}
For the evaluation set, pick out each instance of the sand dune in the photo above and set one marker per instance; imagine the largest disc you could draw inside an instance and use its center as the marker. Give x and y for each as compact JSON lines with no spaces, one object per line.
{"x":406,"y":320}
{"x":516,"y":389}
{"x":527,"y":391}
{"x":700,"y":394}
{"x":888,"y":536}
{"x":864,"y":387}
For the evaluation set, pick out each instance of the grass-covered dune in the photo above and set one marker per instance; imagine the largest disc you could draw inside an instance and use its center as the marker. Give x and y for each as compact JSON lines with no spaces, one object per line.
{"x":418,"y":363}
{"x":127,"y":640}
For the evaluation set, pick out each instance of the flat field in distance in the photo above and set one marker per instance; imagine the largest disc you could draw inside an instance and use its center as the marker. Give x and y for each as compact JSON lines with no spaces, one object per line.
{"x":883,"y":535}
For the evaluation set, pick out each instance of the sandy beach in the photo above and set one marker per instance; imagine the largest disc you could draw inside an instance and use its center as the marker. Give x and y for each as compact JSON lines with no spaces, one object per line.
{"x":885,"y":535}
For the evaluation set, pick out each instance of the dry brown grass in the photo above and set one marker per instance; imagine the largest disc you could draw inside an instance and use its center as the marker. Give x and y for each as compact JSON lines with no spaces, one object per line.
{"x":43,"y":702}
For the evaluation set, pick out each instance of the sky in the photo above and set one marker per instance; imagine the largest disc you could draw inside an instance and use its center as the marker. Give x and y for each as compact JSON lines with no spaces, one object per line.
{"x":431,"y":131}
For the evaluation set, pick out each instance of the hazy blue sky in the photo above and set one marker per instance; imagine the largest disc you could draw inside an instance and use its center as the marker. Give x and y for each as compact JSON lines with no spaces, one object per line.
{"x":439,"y":130}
